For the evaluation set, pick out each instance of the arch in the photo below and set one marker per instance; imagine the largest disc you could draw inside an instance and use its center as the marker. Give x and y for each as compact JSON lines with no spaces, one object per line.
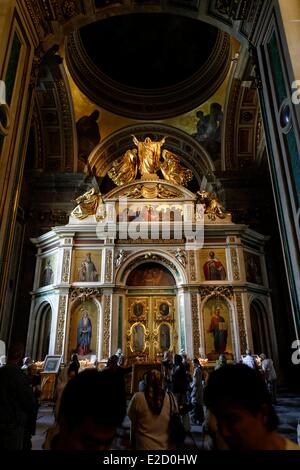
{"x":188,"y":149}
{"x":41,"y":331}
{"x":259,"y":327}
{"x":157,"y":256}
{"x":232,"y":20}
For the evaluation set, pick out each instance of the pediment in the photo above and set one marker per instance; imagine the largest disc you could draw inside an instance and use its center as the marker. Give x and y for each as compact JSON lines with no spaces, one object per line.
{"x":150,"y":190}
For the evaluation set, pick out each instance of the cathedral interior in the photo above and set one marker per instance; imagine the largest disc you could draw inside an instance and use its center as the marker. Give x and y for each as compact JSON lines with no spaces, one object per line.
{"x":142,"y":115}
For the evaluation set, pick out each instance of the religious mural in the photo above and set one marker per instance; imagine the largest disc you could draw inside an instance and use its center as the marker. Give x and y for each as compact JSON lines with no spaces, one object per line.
{"x":138,"y":308}
{"x":150,"y":274}
{"x":213,"y":265}
{"x":164,"y":337}
{"x":138,"y":338}
{"x":218,"y":336}
{"x":209,"y":128}
{"x":164,"y":307}
{"x":84,"y":330}
{"x":48,"y":268}
{"x":87,"y":266}
{"x":145,"y":212}
{"x":253,"y":268}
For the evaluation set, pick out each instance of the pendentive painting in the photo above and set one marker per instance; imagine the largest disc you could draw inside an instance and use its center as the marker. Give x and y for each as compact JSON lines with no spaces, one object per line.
{"x":213,"y":265}
{"x":48,"y":269}
{"x":150,"y":274}
{"x":253,"y":268}
{"x":87,"y":266}
{"x":217,"y":330}
{"x":84,"y":330}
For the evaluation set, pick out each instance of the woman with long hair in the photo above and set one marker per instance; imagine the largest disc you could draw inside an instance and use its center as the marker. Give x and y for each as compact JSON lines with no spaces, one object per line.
{"x":149,"y":412}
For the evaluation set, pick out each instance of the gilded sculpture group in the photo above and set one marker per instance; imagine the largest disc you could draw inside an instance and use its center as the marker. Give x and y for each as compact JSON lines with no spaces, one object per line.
{"x":146,"y":159}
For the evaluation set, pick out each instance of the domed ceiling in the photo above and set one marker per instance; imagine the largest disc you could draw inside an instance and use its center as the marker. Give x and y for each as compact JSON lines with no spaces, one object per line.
{"x":148,"y":66}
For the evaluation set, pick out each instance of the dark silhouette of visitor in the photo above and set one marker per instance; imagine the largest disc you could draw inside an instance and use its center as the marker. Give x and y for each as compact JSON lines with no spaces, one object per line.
{"x":239,"y":399}
{"x":18,"y":406}
{"x":90,"y":410}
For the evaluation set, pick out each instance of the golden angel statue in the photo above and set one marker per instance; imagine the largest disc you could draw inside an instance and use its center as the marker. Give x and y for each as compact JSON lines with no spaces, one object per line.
{"x":149,"y":155}
{"x":124,"y":169}
{"x":172,"y":170}
{"x":212,"y":206}
{"x":89,"y":203}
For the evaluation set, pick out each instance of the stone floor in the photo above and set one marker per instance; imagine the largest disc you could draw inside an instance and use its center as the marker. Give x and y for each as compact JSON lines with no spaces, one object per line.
{"x":287,"y":408}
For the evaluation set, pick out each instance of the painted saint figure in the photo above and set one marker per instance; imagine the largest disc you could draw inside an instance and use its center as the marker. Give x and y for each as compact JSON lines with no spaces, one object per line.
{"x":82,"y":272}
{"x":164,"y":309}
{"x":87,"y":271}
{"x":48,"y":276}
{"x":214,"y":269}
{"x":138,"y":338}
{"x":138,"y":309}
{"x":164,"y":337}
{"x":218,"y":328}
{"x":84,"y":334}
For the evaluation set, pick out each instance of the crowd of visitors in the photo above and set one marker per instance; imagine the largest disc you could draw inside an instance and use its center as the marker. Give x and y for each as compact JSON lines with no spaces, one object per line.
{"x":233,"y":403}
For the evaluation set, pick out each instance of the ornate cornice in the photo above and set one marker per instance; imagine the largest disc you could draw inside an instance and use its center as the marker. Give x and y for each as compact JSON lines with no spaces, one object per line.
{"x":213,"y":291}
{"x":85,"y":293}
{"x":53,"y":18}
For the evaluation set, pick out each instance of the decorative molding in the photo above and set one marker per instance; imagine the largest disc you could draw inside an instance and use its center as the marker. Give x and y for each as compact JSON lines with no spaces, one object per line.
{"x":195,"y":324}
{"x":108,"y":266}
{"x":66,"y":125}
{"x":4,"y":119}
{"x":251,"y":20}
{"x":230,"y":124}
{"x":241,"y":322}
{"x":120,"y":257}
{"x":35,"y":69}
{"x":192,"y":265}
{"x":66,"y":266}
{"x":181,"y":257}
{"x":213,"y":291}
{"x":106,"y":326}
{"x":60,"y":324}
{"x":85,"y":293}
{"x":140,"y":241}
{"x":235,"y":264}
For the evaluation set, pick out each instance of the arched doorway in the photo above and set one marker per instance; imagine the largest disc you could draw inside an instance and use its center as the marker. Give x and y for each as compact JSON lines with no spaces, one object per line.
{"x":150,"y":312}
{"x":259,"y":328}
{"x":42,"y":330}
